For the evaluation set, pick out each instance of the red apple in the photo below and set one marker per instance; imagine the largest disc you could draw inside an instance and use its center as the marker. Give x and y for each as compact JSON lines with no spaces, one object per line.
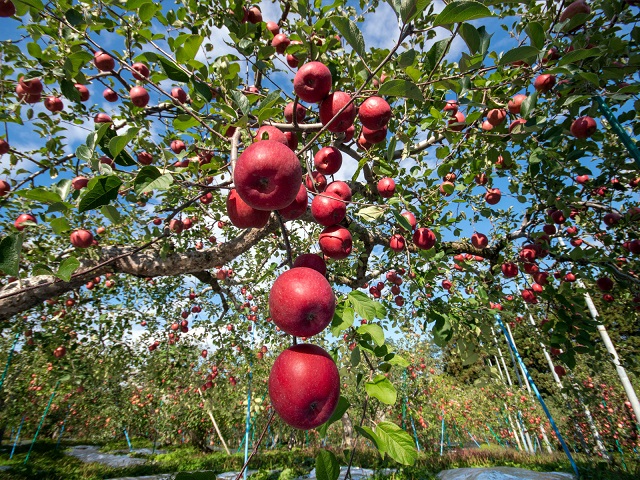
{"x":517,"y":125}
{"x":312,"y":82}
{"x":544,"y":83}
{"x":139,"y":96}
{"x":103,"y":61}
{"x":81,"y":238}
{"x":374,"y":136}
{"x":145,"y":158}
{"x":411,"y":218}
{"x":481,"y":179}
{"x":575,"y":8}
{"x":479,"y":240}
{"x":386,"y":187}
{"x":301,"y":113}
{"x":84,"y":92}
{"x":496,"y":116}
{"x":79,"y":183}
{"x":582,"y":179}
{"x":4,"y":146}
{"x":529,"y":296}
{"x":267,"y":175}
{"x":336,"y":242}
{"x":451,"y":106}
{"x":560,"y":371}
{"x":178,"y":146}
{"x":53,"y":104}
{"x":549,"y":229}
{"x":330,"y":107}
{"x":374,"y":113}
{"x":175,"y":226}
{"x":59,"y":352}
{"x":280,"y":42}
{"x":7,"y":9}
{"x":25,"y":217}
{"x":304,"y":386}
{"x":341,"y":189}
{"x":267,"y":132}
{"x":457,"y":122}
{"x":311,"y":260}
{"x":244,"y":216}
{"x":109,"y":95}
{"x":273,"y":27}
{"x":583,"y":127}
{"x":5,"y":188}
{"x":328,"y":160}
{"x":492,"y":196}
{"x":292,"y":140}
{"x":140,"y":71}
{"x":301,"y":302}
{"x":515,"y":104}
{"x":298,"y":207}
{"x":509,"y":270}
{"x":179,"y":94}
{"x":328,"y":209}
{"x":292,"y":61}
{"x":424,"y":238}
{"x":254,"y":14}
{"x":605,"y":284}
{"x":319,"y":183}
{"x":102,"y":118}
{"x":397,"y":242}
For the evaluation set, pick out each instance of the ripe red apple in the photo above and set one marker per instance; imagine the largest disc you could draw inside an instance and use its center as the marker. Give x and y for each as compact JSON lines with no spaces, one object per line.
{"x":179,"y":94}
{"x":424,"y":238}
{"x":145,"y":158}
{"x":544,"y":83}
{"x":509,"y":270}
{"x":292,"y":61}
{"x":103,"y":61}
{"x":397,"y":242}
{"x":492,"y":196}
{"x":59,"y":352}
{"x":301,"y":113}
{"x":176,"y":226}
{"x":244,"y":216}
{"x":267,"y":132}
{"x":611,"y":219}
{"x":374,"y":113}
{"x":139,"y":96}
{"x":298,"y":207}
{"x":328,"y":160}
{"x":83,"y":91}
{"x":517,"y":125}
{"x":292,"y":140}
{"x":582,"y":179}
{"x":529,"y":296}
{"x":81,"y":238}
{"x":25,"y":217}
{"x":4,"y":146}
{"x":486,"y":126}
{"x":304,"y":386}
{"x":481,"y":179}
{"x":79,"y":183}
{"x":312,"y":82}
{"x":451,"y":106}
{"x":479,"y":240}
{"x":301,"y":302}
{"x":7,"y":9}
{"x":254,"y":14}
{"x":457,"y":122}
{"x":583,"y":127}
{"x":140,"y":71}
{"x":109,"y":95}
{"x":549,"y":229}
{"x":446,"y":284}
{"x":496,"y":116}
{"x":386,"y":187}
{"x":273,"y":27}
{"x":515,"y":104}
{"x":102,"y":118}
{"x":374,"y":136}
{"x":5,"y":188}
{"x":330,"y":107}
{"x":178,"y":146}
{"x":280,"y":42}
{"x":341,"y":189}
{"x":336,"y":242}
{"x":319,"y":183}
{"x":34,"y":85}
{"x":328,"y":209}
{"x":267,"y":175}
{"x":605,"y":284}
{"x":446,"y":188}
{"x":53,"y":104}
{"x":558,"y":217}
{"x":311,"y":260}
{"x":575,"y":8}
{"x":560,"y":371}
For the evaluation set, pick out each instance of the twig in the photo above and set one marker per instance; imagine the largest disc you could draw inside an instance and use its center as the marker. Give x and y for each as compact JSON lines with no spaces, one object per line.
{"x":255,"y":448}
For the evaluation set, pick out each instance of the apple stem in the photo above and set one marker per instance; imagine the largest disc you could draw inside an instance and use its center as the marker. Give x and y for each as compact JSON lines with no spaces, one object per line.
{"x":255,"y":448}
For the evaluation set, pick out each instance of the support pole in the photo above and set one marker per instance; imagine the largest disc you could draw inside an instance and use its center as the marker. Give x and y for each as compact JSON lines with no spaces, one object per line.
{"x":215,"y":425}
{"x":126,"y":435}
{"x":63,"y":425}
{"x":542,"y":403}
{"x":415,"y":434}
{"x":6,"y":368}
{"x":616,"y":127}
{"x":44,"y":415}
{"x":15,"y":441}
{"x":442,"y":435}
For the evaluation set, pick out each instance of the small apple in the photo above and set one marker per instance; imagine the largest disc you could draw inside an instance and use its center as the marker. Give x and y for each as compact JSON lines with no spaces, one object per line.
{"x":178,"y":146}
{"x":424,"y":238}
{"x":139,"y":96}
{"x":298,"y":207}
{"x":374,"y":113}
{"x":496,"y":116}
{"x":312,"y":82}
{"x":328,"y":160}
{"x":515,"y":104}
{"x":509,"y":270}
{"x":79,"y":183}
{"x":244,"y":216}
{"x":145,"y":158}
{"x":319,"y":183}
{"x":5,"y":188}
{"x":581,"y":179}
{"x":341,"y":189}
{"x":457,"y":122}
{"x":301,"y":113}
{"x":179,"y":94}
{"x":102,"y":118}
{"x":479,"y":240}
{"x":254,"y":14}
{"x":53,"y":104}
{"x":22,"y":219}
{"x":4,"y":146}
{"x":81,"y":238}
{"x":492,"y":196}
{"x":517,"y":125}
{"x":605,"y":284}
{"x":84,"y":92}
{"x":273,"y":27}
{"x":451,"y":106}
{"x":328,"y":209}
{"x":544,"y":83}
{"x":267,"y":132}
{"x":397,"y":242}
{"x":110,"y":95}
{"x":103,"y":61}
{"x":336,"y":242}
{"x":386,"y":187}
{"x":330,"y":107}
{"x":374,"y":136}
{"x":140,"y":71}
{"x":293,"y":61}
{"x":575,"y":8}
{"x":280,"y":42}
{"x":411,"y":218}
{"x":583,"y":127}
{"x":7,"y":9}
{"x":311,"y":260}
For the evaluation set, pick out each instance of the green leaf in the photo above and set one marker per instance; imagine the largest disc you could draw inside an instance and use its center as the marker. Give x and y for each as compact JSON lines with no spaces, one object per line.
{"x":69,"y":90}
{"x":60,"y":225}
{"x":67,"y":267}
{"x":118,"y":144}
{"x":411,"y":8}
{"x":536,"y":34}
{"x":371,"y":213}
{"x":189,"y":48}
{"x":401,"y":88}
{"x":74,"y":17}
{"x":341,"y":408}
{"x":369,"y":434}
{"x":461,"y":11}
{"x":471,"y":37}
{"x":105,"y":136}
{"x":10,"y":248}
{"x":375,"y":331}
{"x":185,"y":122}
{"x":404,"y":223}
{"x":578,"y":55}
{"x":327,"y":466}
{"x":441,"y":331}
{"x":351,"y":33}
{"x":434,"y":54}
{"x":40,"y":194}
{"x":519,"y":53}
{"x":355,"y":357}
{"x":397,"y":443}
{"x":147,"y":11}
{"x":342,"y":319}
{"x":100,"y":191}
{"x":382,"y":389}
{"x":398,"y":361}
{"x":172,"y":70}
{"x":241,"y":100}
{"x":529,"y":104}
{"x":366,"y":307}
{"x":406,"y":58}
{"x":111,"y":213}
{"x":149,"y":178}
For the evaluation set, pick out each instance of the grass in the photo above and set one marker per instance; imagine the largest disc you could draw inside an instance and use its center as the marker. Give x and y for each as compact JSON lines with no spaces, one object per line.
{"x":47,"y":463}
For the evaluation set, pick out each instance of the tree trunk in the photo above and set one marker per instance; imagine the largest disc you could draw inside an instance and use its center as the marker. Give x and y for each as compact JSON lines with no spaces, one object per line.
{"x":347,"y":431}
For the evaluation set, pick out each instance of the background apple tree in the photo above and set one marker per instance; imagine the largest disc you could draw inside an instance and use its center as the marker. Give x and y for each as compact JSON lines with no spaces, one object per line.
{"x":508,"y":145}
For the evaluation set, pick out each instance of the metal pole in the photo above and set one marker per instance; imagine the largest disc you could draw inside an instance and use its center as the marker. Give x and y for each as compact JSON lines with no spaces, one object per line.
{"x":46,"y":410}
{"x":126,"y":435}
{"x":442,"y":435}
{"x":63,"y":425}
{"x":15,"y":441}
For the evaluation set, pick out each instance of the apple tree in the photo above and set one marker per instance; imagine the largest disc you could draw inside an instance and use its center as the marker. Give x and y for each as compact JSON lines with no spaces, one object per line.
{"x":221,"y":168}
